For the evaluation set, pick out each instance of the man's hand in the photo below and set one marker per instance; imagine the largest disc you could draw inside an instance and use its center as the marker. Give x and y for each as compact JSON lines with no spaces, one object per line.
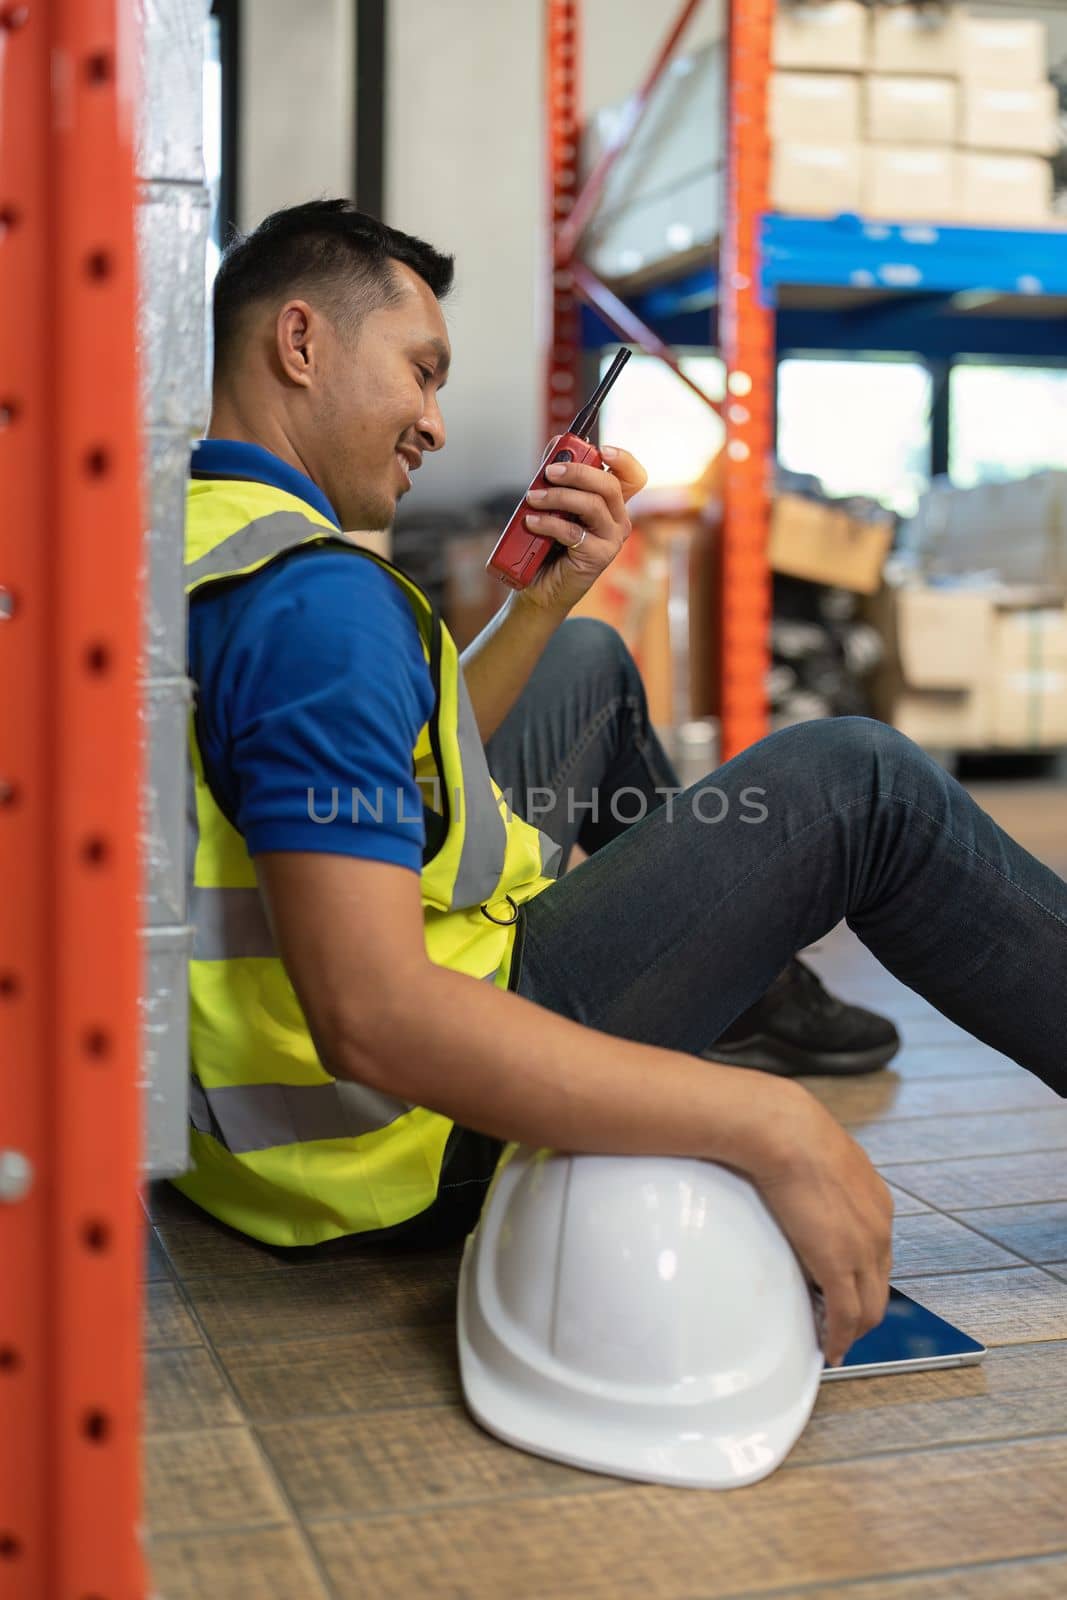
{"x":836,"y":1212}
{"x":599,"y":499}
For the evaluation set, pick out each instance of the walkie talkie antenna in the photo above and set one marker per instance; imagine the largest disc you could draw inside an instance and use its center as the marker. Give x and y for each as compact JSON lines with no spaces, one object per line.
{"x":582,"y":425}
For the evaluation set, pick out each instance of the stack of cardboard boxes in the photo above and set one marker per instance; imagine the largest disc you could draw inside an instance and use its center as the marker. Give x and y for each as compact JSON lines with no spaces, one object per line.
{"x":974,"y":669}
{"x":912,"y":114}
{"x":977,"y":656}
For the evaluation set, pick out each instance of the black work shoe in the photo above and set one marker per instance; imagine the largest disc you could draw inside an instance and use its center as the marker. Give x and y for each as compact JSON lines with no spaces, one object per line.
{"x":799,"y":1029}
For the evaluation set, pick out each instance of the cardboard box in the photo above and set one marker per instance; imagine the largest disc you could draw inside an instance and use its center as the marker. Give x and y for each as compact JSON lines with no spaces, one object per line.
{"x":910,"y":183}
{"x":972,"y":669}
{"x":472,"y":596}
{"x":920,"y":42}
{"x":1029,"y":702}
{"x":1005,"y":190}
{"x":929,"y":684}
{"x":828,"y":37}
{"x":998,"y":118}
{"x":1009,"y":51}
{"x":633,"y":595}
{"x":824,"y":545}
{"x":817,"y":180}
{"x":910,"y":110}
{"x":658,"y":594}
{"x":814,"y":107}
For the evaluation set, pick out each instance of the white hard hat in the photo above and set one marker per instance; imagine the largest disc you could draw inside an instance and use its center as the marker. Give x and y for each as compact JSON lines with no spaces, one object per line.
{"x":637,"y":1315}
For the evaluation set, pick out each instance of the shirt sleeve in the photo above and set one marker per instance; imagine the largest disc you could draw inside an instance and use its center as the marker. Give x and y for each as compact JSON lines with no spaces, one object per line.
{"x":313,"y":688}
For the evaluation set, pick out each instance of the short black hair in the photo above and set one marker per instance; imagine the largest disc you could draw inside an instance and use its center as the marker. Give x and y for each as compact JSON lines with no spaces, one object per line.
{"x":326,"y":245}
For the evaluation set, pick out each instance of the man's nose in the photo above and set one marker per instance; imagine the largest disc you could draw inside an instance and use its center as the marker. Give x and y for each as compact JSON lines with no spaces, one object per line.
{"x":431,"y":428}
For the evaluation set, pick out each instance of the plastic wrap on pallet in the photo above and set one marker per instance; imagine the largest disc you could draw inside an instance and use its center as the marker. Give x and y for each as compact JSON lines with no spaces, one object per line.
{"x":662,"y":199}
{"x":167,"y":462}
{"x":165,"y":1049}
{"x":172,"y":65}
{"x":173,"y":222}
{"x":165,"y":711}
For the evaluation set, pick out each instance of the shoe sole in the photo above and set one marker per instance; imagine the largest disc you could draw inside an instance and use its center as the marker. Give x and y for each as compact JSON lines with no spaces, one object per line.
{"x":765,"y":1054}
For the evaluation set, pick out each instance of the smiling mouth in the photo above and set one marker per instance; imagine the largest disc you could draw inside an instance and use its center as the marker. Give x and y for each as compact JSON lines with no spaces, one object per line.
{"x":405,"y":467}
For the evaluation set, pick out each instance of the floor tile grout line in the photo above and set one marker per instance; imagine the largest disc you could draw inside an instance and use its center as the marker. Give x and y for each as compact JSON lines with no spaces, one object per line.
{"x":623,"y":1487}
{"x":971,"y":1228}
{"x":312,"y":1553}
{"x":910,"y":1576}
{"x":448,"y":1405}
{"x":933,"y":1447}
{"x":994,"y":1155}
{"x":947,"y":1114}
{"x":962,"y":1272}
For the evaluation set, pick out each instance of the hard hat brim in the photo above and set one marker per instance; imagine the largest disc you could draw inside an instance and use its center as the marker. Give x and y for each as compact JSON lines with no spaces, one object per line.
{"x":667,"y":1444}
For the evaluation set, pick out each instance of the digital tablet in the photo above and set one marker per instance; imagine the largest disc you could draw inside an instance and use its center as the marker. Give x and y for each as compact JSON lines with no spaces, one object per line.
{"x":908,"y":1339}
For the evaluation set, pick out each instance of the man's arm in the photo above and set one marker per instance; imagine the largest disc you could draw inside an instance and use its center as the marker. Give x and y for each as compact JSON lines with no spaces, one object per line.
{"x":350,"y":934}
{"x":498,"y":663}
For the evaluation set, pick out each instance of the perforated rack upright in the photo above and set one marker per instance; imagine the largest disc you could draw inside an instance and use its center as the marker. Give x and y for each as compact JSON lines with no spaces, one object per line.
{"x":70,"y":784}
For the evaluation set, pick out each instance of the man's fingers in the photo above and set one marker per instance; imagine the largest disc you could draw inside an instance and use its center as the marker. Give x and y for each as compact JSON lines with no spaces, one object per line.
{"x":629,"y":471}
{"x":592,"y":510}
{"x":591,"y":480}
{"x":842,"y":1317}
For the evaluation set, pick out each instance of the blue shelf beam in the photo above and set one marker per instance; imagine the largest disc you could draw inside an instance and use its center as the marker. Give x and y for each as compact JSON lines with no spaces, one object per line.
{"x":930,"y":282}
{"x":850,"y":252}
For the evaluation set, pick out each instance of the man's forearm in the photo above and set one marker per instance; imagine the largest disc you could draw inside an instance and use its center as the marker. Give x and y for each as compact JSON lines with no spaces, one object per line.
{"x":501,"y":1065}
{"x":498,"y":663}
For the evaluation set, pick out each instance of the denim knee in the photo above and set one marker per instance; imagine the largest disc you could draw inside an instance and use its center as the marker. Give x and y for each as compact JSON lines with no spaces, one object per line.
{"x":826,"y":751}
{"x":592,"y":646}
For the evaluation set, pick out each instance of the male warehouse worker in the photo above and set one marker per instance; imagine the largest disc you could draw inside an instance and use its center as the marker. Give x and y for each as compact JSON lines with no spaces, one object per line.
{"x":387,"y":979}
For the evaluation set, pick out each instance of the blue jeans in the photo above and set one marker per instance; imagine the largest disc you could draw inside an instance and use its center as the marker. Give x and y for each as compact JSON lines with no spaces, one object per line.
{"x":692,"y":903}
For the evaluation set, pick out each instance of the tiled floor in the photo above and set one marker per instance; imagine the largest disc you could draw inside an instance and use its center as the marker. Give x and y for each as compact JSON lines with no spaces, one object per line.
{"x":306,"y":1435}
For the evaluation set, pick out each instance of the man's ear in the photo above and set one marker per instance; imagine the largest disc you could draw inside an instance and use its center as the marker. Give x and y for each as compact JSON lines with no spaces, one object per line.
{"x":294,"y":329}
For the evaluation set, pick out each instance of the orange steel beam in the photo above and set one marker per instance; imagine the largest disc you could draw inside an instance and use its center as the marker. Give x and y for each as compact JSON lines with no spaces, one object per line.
{"x":70,"y":784}
{"x":629,"y":326}
{"x":747,"y":340}
{"x":563,"y":84}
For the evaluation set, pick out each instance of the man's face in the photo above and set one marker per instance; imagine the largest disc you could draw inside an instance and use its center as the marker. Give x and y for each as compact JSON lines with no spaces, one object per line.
{"x":377,"y":409}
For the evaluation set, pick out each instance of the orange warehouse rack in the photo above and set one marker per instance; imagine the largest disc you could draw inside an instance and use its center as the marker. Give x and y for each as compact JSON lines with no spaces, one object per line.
{"x":70,"y":783}
{"x":746,"y":323}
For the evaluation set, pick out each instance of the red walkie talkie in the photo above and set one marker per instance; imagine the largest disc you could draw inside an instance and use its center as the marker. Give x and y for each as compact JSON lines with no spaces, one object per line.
{"x":519,"y":554}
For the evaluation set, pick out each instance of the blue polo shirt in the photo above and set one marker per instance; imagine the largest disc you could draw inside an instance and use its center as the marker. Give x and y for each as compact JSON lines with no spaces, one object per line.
{"x":310,"y":678}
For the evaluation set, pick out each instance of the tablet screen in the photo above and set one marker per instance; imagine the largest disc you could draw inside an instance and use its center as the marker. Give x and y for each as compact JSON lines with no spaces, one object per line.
{"x":908,"y":1332}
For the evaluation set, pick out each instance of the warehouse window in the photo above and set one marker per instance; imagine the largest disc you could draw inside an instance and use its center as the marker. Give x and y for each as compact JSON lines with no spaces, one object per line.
{"x":651,"y":413}
{"x":860,"y":427}
{"x":1006,"y":422}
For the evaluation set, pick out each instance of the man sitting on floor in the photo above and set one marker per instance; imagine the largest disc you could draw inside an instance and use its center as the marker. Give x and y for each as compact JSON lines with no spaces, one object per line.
{"x":389,"y":978}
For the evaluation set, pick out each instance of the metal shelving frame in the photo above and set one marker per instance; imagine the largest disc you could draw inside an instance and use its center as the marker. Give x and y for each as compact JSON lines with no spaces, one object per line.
{"x":70,"y":797}
{"x":746,"y":323}
{"x":939,"y":293}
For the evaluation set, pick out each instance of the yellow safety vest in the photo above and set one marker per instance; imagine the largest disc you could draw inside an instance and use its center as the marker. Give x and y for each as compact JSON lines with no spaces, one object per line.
{"x":279,"y":1148}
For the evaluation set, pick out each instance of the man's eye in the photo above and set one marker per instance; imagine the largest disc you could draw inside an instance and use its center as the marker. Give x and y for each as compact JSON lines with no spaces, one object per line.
{"x":425,"y":373}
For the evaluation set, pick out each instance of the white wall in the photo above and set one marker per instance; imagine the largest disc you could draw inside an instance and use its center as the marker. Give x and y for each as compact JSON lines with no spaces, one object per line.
{"x":296,"y":139}
{"x":620,"y":39}
{"x":464,"y":170}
